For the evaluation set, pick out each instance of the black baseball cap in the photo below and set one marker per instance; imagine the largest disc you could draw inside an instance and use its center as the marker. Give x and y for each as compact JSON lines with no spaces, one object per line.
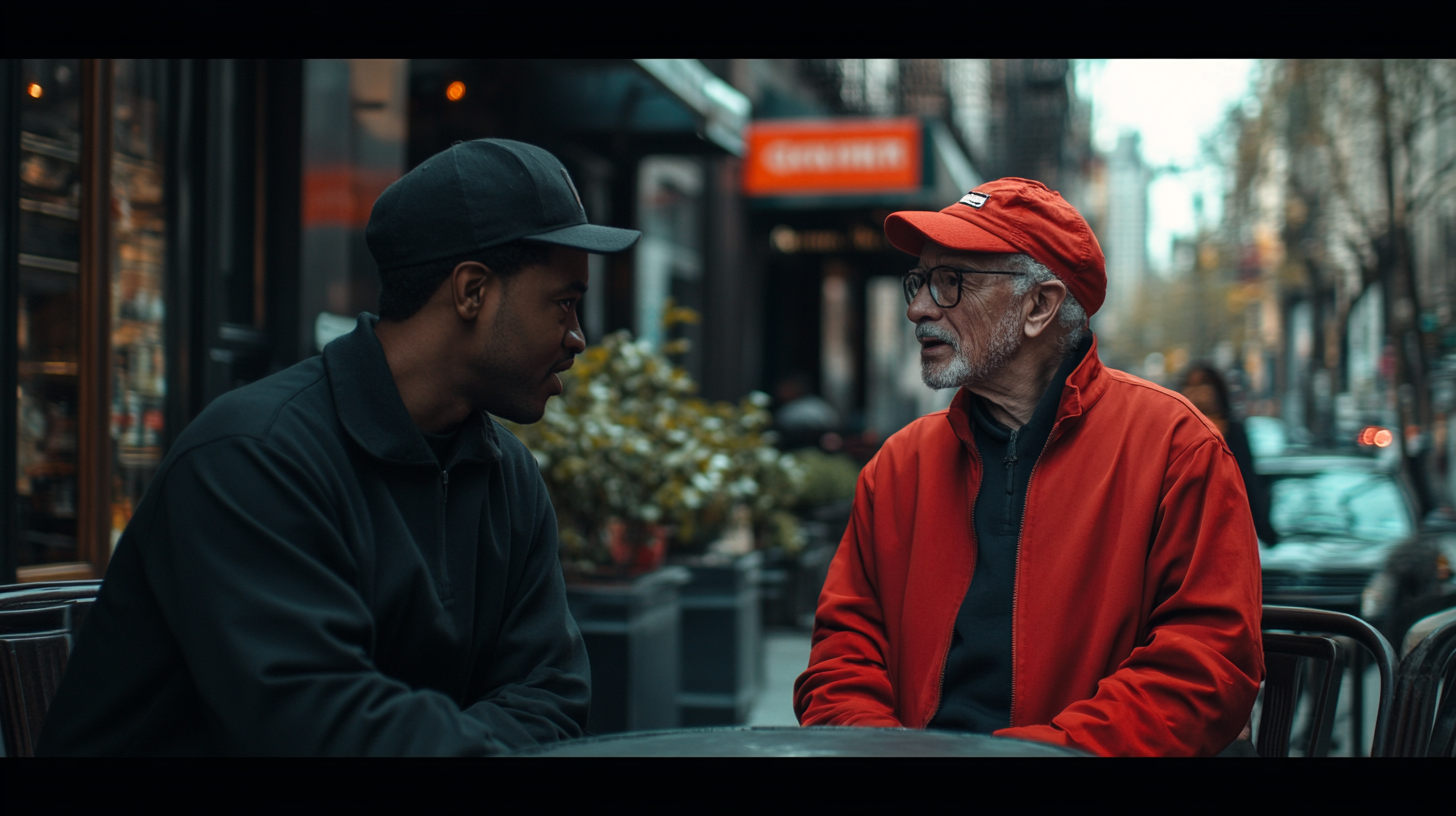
{"x":481,"y":194}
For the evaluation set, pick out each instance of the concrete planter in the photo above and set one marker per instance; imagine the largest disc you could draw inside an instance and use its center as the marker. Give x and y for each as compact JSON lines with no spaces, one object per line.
{"x":791,"y":584}
{"x":722,"y":642}
{"x":632,"y":632}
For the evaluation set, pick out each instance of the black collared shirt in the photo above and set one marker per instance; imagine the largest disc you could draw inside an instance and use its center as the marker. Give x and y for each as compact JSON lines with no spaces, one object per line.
{"x":306,"y":576}
{"x":976,"y":691}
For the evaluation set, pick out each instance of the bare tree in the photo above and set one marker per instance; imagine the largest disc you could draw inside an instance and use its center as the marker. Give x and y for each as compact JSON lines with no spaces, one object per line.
{"x":1353,"y":151}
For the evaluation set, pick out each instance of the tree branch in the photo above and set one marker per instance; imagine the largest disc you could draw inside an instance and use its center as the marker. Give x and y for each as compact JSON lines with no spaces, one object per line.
{"x":1440,"y":179}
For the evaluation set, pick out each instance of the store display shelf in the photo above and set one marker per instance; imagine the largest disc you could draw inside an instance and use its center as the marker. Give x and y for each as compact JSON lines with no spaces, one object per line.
{"x":46,"y":469}
{"x":54,"y":541}
{"x":128,"y":456}
{"x":50,"y":208}
{"x":53,"y":264}
{"x":47,"y":368}
{"x":46,"y":146}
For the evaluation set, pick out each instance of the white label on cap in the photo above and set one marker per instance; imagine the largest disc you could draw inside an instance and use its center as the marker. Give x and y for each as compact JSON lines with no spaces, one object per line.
{"x":975,"y":199}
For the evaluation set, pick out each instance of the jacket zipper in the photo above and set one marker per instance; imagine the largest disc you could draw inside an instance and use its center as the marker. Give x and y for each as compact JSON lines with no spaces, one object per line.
{"x":1016,"y":571}
{"x":444,"y":537}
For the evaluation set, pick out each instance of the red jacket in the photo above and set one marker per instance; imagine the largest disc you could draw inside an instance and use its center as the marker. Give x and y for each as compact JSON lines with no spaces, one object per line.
{"x":1136,"y":608}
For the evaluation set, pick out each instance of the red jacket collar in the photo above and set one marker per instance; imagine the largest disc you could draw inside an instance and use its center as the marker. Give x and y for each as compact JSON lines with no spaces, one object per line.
{"x":1085,"y":385}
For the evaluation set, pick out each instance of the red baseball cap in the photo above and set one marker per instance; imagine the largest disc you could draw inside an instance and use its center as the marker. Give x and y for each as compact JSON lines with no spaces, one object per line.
{"x":1013,"y":215}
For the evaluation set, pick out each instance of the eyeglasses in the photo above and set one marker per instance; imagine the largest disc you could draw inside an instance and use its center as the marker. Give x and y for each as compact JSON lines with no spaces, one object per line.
{"x":945,"y":283}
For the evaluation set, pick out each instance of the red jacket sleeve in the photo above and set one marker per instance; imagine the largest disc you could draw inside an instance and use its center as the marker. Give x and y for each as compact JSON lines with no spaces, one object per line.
{"x":1189,"y":687}
{"x":847,"y":682}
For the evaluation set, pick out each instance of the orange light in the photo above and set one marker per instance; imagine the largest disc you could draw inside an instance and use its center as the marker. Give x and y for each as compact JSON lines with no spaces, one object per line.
{"x":1383,"y":438}
{"x":456,"y":91}
{"x":1367,"y":436}
{"x":35,"y":90}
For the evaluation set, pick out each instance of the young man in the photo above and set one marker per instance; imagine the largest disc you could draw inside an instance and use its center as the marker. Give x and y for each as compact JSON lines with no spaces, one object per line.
{"x":1064,"y":555}
{"x":350,"y":556}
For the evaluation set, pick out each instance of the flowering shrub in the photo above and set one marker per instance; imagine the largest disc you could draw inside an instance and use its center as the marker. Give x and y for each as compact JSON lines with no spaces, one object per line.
{"x":628,"y":441}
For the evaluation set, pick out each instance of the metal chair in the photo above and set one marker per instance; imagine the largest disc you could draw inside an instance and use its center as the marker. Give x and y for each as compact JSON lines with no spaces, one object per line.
{"x":1423,"y":628}
{"x":37,"y":624}
{"x":1284,"y":657}
{"x":1418,"y":696}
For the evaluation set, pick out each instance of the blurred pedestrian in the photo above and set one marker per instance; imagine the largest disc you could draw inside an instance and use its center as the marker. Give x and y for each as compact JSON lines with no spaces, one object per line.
{"x":1206,"y":389}
{"x":1064,"y":555}
{"x":1415,"y":582}
{"x":351,"y":556}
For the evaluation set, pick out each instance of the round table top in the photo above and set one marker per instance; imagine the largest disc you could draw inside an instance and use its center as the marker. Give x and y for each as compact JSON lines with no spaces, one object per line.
{"x":821,"y":741}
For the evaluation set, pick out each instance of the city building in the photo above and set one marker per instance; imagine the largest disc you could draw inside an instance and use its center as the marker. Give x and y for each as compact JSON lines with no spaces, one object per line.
{"x":176,"y":228}
{"x":1124,"y":235}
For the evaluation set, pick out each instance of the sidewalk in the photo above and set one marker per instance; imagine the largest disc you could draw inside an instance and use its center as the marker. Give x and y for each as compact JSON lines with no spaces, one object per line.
{"x":786,"y":655}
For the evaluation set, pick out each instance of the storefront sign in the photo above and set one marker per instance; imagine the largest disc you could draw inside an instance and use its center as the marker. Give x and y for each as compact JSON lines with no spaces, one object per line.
{"x":832,"y":157}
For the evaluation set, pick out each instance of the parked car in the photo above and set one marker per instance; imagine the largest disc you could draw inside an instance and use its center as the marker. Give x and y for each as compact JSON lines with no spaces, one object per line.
{"x":1338,"y":518}
{"x":1268,"y":436}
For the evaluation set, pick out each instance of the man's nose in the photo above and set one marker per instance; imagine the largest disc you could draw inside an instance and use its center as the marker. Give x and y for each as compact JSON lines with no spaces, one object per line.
{"x":575,"y":340}
{"x":923,"y":306}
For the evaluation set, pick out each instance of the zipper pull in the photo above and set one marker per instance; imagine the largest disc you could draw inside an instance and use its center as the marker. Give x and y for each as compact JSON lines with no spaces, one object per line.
{"x":1010,"y":461}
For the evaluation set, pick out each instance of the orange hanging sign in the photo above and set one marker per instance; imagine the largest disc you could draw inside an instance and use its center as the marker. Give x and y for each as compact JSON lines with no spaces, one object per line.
{"x":832,"y":156}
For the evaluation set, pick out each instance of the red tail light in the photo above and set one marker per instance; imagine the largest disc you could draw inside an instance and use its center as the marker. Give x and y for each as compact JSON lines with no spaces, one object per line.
{"x":1376,"y":436}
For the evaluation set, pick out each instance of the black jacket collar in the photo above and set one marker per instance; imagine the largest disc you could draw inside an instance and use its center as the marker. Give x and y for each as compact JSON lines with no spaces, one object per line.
{"x":373,"y":413}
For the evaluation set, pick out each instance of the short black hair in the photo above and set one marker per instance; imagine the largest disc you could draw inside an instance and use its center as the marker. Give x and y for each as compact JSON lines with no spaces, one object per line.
{"x":406,"y":290}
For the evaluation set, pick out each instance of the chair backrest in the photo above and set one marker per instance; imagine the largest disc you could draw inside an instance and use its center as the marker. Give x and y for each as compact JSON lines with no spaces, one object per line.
{"x":37,"y":625}
{"x":1422,"y":628}
{"x":1285,"y":656}
{"x":1281,"y":682}
{"x":1417,"y":686}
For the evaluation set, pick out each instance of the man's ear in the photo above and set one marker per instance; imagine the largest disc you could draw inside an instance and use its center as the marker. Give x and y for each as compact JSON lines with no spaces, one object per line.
{"x":1042,"y":304}
{"x":474,"y":290}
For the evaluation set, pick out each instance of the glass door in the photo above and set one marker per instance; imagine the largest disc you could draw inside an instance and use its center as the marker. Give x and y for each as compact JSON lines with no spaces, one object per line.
{"x":48,"y":314}
{"x":89,"y":315}
{"x":137,"y":234}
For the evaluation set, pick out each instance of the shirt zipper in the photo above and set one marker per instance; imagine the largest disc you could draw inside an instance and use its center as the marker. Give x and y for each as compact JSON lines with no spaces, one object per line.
{"x":940,"y":688}
{"x":1010,"y":462}
{"x":1016,"y":571}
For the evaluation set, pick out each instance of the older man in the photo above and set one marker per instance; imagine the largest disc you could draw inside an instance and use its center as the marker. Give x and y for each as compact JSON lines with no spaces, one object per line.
{"x":1064,"y":555}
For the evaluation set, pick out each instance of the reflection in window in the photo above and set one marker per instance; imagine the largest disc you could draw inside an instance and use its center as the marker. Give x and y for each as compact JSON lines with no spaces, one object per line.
{"x":354,"y":114}
{"x":46,"y":320}
{"x":669,"y":257}
{"x":138,"y":234}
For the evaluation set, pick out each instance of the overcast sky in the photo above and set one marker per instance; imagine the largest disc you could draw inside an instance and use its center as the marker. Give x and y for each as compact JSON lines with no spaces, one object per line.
{"x":1173,"y":104}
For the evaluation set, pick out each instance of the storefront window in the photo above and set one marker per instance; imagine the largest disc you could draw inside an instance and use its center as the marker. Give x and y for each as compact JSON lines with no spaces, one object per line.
{"x":138,"y":240}
{"x":46,"y":320}
{"x":354,"y":115}
{"x":670,"y":254}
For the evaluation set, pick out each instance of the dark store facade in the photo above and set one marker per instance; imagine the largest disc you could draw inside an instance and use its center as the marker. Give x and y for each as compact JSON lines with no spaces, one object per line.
{"x":176,"y":228}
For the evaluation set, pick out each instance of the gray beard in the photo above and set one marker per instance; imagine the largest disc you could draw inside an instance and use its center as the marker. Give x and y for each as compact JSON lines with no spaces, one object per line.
{"x":961,"y":371}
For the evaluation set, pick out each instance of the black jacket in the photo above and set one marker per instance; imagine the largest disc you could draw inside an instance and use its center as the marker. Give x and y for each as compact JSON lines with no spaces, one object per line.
{"x":303,"y":577}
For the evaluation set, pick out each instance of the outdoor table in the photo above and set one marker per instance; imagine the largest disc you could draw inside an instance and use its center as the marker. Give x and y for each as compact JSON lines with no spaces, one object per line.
{"x":779,"y":741}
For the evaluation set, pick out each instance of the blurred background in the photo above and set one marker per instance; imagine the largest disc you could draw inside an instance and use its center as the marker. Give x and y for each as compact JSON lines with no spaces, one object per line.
{"x":174,"y":229}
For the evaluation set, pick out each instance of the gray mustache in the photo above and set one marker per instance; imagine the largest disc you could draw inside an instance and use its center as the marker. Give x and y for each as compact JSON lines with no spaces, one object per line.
{"x":935,"y":332}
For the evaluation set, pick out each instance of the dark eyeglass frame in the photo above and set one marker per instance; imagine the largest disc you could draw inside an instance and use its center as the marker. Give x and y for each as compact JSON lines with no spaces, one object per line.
{"x":916,"y":278}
